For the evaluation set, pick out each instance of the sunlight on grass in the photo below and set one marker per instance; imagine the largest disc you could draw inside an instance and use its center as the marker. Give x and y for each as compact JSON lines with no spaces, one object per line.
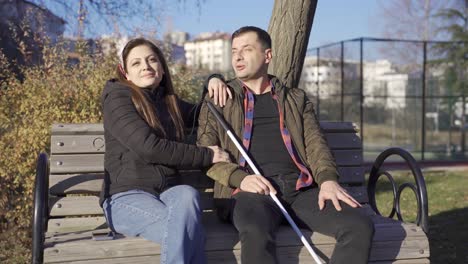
{"x":448,"y":210}
{"x":408,"y":203}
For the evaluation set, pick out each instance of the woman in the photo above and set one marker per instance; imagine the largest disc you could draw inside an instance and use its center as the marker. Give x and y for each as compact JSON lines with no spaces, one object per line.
{"x":143,"y":127}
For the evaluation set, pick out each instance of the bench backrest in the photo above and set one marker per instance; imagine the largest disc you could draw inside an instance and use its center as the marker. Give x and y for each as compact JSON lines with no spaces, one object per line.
{"x":77,"y":172}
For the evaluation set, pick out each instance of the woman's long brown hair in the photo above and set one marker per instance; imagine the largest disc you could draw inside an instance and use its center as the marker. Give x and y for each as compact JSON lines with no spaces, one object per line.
{"x":141,"y":102}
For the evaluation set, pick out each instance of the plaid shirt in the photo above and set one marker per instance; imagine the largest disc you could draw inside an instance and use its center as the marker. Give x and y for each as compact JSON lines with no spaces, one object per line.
{"x":305,"y":177}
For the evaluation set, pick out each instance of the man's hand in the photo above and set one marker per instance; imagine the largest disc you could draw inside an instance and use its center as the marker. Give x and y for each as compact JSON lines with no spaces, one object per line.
{"x":257,"y":184}
{"x":331,"y":190}
{"x":219,"y":91}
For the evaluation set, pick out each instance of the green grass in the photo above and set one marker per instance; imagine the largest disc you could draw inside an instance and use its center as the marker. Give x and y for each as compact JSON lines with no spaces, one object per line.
{"x":448,"y":211}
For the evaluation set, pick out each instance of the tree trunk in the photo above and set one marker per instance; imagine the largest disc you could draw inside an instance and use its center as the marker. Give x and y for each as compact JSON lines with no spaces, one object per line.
{"x":290,"y":26}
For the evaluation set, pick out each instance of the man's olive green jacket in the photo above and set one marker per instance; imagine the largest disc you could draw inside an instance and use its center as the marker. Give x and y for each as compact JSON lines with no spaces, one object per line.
{"x":299,"y":118}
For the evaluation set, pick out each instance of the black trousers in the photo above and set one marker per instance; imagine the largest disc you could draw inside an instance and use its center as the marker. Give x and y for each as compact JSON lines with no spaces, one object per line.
{"x":257,"y":219}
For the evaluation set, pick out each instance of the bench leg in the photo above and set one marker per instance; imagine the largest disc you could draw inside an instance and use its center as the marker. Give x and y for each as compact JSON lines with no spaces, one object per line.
{"x":40,"y":208}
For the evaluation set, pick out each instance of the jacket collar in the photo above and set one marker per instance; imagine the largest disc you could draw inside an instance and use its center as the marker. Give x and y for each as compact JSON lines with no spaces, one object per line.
{"x":155,"y":93}
{"x":237,"y":86}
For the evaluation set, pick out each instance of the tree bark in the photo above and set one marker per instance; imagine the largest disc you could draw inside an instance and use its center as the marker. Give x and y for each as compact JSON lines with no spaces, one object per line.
{"x":290,"y":26}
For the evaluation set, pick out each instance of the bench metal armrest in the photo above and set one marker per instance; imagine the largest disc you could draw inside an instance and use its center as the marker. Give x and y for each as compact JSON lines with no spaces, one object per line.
{"x":419,"y":190}
{"x":41,"y":210}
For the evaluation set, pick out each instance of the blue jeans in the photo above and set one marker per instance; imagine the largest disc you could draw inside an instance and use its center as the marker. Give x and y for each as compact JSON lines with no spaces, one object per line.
{"x":172,"y":219}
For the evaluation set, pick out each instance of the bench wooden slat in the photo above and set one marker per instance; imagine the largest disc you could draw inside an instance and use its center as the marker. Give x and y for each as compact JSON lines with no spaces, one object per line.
{"x":232,"y":258}
{"x":90,"y":183}
{"x":351,"y":174}
{"x":75,"y":224}
{"x":76,"y":163}
{"x":387,"y":229}
{"x":382,"y":252}
{"x":343,"y":141}
{"x":222,"y":237}
{"x":95,"y":144}
{"x":358,"y":192}
{"x":77,"y":144}
{"x":217,"y":257}
{"x":348,"y":157}
{"x":62,"y":184}
{"x":89,"y":205}
{"x":338,"y":127}
{"x":403,"y":261}
{"x":95,"y":129}
{"x":80,"y":163}
{"x":77,"y":129}
{"x":74,"y":205}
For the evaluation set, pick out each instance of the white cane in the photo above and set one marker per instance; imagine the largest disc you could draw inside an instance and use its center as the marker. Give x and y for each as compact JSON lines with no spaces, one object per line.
{"x":254,"y":168}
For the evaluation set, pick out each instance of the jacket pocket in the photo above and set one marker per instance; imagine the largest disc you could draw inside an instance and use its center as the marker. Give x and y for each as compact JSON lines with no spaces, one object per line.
{"x":159,"y":182}
{"x":115,"y":168}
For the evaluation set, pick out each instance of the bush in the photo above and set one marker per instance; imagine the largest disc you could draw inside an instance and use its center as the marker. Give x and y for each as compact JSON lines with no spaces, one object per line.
{"x":55,"y":91}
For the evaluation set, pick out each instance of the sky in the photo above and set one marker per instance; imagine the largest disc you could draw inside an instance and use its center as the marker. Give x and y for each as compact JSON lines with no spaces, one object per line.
{"x":334,"y":20}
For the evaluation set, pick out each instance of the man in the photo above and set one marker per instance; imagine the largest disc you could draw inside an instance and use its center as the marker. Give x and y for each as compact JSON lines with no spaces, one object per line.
{"x":282,"y":134}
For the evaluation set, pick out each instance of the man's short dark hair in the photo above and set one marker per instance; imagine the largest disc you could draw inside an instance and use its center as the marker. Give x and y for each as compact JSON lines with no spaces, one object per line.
{"x":263,"y":36}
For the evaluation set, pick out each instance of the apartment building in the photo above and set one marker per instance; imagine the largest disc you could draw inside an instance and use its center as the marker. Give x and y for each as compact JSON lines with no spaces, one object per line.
{"x":211,"y":51}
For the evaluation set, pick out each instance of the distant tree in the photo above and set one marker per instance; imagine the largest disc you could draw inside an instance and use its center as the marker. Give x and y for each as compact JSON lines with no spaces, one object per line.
{"x":85,"y":16}
{"x":410,"y":19}
{"x":455,"y":52}
{"x":455,"y":58}
{"x":290,"y":26}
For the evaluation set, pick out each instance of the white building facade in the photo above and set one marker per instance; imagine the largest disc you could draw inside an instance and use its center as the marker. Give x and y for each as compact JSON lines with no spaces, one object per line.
{"x":323,"y":80}
{"x":210,"y":51}
{"x":383,"y":85}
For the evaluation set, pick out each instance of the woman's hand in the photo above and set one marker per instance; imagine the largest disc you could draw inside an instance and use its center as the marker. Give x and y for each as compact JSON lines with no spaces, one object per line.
{"x":219,"y":91}
{"x":219,"y":154}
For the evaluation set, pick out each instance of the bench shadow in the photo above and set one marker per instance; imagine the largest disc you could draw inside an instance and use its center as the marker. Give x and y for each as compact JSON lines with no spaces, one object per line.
{"x":386,"y":245}
{"x":448,"y":236}
{"x":78,"y":179}
{"x":76,"y":236}
{"x":223,"y":244}
{"x":297,"y":252}
{"x":222,"y":240}
{"x":389,"y":236}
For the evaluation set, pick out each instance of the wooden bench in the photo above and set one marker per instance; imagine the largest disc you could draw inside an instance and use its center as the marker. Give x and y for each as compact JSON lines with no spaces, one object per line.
{"x":66,"y":209}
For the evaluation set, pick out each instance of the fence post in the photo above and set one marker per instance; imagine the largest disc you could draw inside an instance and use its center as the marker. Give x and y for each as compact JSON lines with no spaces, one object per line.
{"x":463,"y":124}
{"x":342,"y":81}
{"x":423,"y":125}
{"x":318,"y":83}
{"x":361,"y":89}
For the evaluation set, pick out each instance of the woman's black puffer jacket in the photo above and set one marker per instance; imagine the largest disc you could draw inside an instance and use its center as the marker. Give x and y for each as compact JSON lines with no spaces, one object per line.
{"x":136,"y":156}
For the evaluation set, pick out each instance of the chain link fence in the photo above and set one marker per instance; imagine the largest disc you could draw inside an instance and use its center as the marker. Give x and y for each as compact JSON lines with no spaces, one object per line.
{"x":401,"y":93}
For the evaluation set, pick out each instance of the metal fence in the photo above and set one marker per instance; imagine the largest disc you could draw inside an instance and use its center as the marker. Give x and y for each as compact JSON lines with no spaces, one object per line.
{"x":399,"y":93}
